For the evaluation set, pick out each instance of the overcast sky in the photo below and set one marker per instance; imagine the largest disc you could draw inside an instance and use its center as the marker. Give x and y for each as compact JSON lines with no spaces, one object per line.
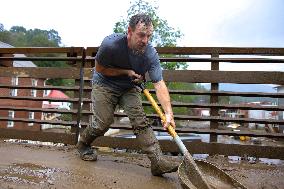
{"x":236,"y":23}
{"x":203,"y":22}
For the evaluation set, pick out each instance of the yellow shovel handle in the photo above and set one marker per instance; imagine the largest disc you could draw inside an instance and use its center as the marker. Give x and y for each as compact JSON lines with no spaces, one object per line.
{"x":170,"y":128}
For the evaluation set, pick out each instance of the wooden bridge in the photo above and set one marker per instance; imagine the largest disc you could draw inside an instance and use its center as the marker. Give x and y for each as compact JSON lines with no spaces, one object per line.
{"x":79,"y":72}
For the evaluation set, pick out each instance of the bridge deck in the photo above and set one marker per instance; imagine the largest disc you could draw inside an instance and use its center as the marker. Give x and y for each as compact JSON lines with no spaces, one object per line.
{"x":42,"y":166}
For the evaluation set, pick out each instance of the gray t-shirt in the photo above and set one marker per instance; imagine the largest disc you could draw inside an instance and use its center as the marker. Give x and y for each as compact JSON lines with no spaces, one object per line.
{"x":114,"y":53}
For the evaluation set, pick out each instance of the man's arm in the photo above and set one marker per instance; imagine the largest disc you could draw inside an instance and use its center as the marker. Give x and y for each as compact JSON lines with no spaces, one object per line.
{"x":164,"y":98}
{"x":115,"y":71}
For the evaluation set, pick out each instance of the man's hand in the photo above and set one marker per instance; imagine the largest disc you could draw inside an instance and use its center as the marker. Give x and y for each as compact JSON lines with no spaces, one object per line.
{"x":136,"y":78}
{"x":169,"y":120}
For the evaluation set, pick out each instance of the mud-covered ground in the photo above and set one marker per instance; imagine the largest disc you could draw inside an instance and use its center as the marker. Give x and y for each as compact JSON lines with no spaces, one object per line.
{"x":38,"y":166}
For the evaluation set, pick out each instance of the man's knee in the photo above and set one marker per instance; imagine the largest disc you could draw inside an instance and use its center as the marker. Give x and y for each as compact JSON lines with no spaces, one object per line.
{"x":100,"y":126}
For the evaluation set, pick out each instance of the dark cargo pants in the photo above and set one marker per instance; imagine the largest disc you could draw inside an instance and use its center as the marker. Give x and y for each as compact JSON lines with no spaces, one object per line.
{"x":105,"y":101}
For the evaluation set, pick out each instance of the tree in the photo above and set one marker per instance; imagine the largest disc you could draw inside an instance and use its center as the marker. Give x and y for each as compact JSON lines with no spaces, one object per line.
{"x":45,"y":38}
{"x":163,"y":36}
{"x":5,"y":35}
{"x":1,"y":27}
{"x":18,"y":29}
{"x":19,"y":36}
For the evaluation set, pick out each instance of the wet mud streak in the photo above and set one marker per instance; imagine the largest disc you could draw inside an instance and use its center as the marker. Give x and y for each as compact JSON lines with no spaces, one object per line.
{"x":27,"y":173}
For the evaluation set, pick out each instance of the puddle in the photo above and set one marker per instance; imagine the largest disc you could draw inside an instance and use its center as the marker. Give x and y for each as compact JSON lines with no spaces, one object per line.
{"x":271,"y":161}
{"x":200,"y":156}
{"x":27,"y":173}
{"x":238,"y":159}
{"x":20,"y":141}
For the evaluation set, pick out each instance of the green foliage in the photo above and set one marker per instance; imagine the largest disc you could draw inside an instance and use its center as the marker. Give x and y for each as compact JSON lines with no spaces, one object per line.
{"x":1,"y":27}
{"x":181,"y":98}
{"x":18,"y":29}
{"x":5,"y":36}
{"x":224,"y":100}
{"x":18,"y":36}
{"x":173,"y":65}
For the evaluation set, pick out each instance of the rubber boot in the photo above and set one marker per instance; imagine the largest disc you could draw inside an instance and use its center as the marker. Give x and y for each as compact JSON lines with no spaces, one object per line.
{"x":150,"y":146}
{"x":84,"y":145}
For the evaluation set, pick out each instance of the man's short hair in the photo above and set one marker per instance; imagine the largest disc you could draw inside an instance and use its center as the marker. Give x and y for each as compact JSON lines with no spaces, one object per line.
{"x":141,"y":17}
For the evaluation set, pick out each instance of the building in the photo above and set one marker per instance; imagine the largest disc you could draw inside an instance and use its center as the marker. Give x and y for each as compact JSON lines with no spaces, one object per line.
{"x":55,"y":105}
{"x":20,"y":92}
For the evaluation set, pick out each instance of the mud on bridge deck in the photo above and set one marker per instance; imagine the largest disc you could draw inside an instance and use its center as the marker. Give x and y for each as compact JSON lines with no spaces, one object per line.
{"x":58,"y":166}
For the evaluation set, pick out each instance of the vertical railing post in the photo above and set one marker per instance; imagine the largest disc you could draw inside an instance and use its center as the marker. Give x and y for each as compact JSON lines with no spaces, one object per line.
{"x":81,"y":90}
{"x":89,"y":64}
{"x":214,"y":99}
{"x":76,"y":94}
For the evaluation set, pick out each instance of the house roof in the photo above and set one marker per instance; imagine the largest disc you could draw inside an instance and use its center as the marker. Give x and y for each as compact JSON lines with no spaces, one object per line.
{"x":18,"y":63}
{"x":57,"y":94}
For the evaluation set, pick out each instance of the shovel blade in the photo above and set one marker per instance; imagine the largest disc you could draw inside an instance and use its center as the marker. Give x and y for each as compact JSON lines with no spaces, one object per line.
{"x":216,"y":178}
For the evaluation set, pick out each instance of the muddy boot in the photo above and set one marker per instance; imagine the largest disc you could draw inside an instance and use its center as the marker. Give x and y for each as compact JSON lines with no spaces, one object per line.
{"x":150,"y":146}
{"x":84,"y":145}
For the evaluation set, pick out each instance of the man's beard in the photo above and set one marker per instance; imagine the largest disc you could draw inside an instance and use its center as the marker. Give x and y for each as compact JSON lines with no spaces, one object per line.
{"x":140,"y":49}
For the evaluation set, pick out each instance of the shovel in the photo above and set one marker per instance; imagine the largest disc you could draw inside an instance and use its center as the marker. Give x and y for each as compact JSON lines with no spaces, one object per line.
{"x":197,"y":177}
{"x":190,"y":176}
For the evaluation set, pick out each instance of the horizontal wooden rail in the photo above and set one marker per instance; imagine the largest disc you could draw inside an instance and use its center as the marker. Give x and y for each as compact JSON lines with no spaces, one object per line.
{"x":224,"y":106}
{"x":220,"y":50}
{"x":36,"y":50}
{"x":42,"y":58}
{"x":181,"y":92}
{"x":167,"y":146}
{"x":224,"y":93}
{"x":48,"y":87}
{"x":197,"y":147}
{"x":72,"y":100}
{"x":213,"y":76}
{"x":91,"y":51}
{"x":214,"y":118}
{"x":41,"y":72}
{"x":51,"y":122}
{"x":182,"y":131}
{"x":39,"y":136}
{"x":146,"y":103}
{"x":45,"y":110}
{"x":193,"y":59}
{"x":228,"y":60}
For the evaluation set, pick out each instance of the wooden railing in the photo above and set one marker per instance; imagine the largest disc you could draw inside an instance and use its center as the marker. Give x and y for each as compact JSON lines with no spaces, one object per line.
{"x":81,"y":62}
{"x":73,"y":56}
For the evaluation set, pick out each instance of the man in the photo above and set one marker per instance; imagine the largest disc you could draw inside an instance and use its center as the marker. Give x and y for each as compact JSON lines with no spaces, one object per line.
{"x":121,"y":61}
